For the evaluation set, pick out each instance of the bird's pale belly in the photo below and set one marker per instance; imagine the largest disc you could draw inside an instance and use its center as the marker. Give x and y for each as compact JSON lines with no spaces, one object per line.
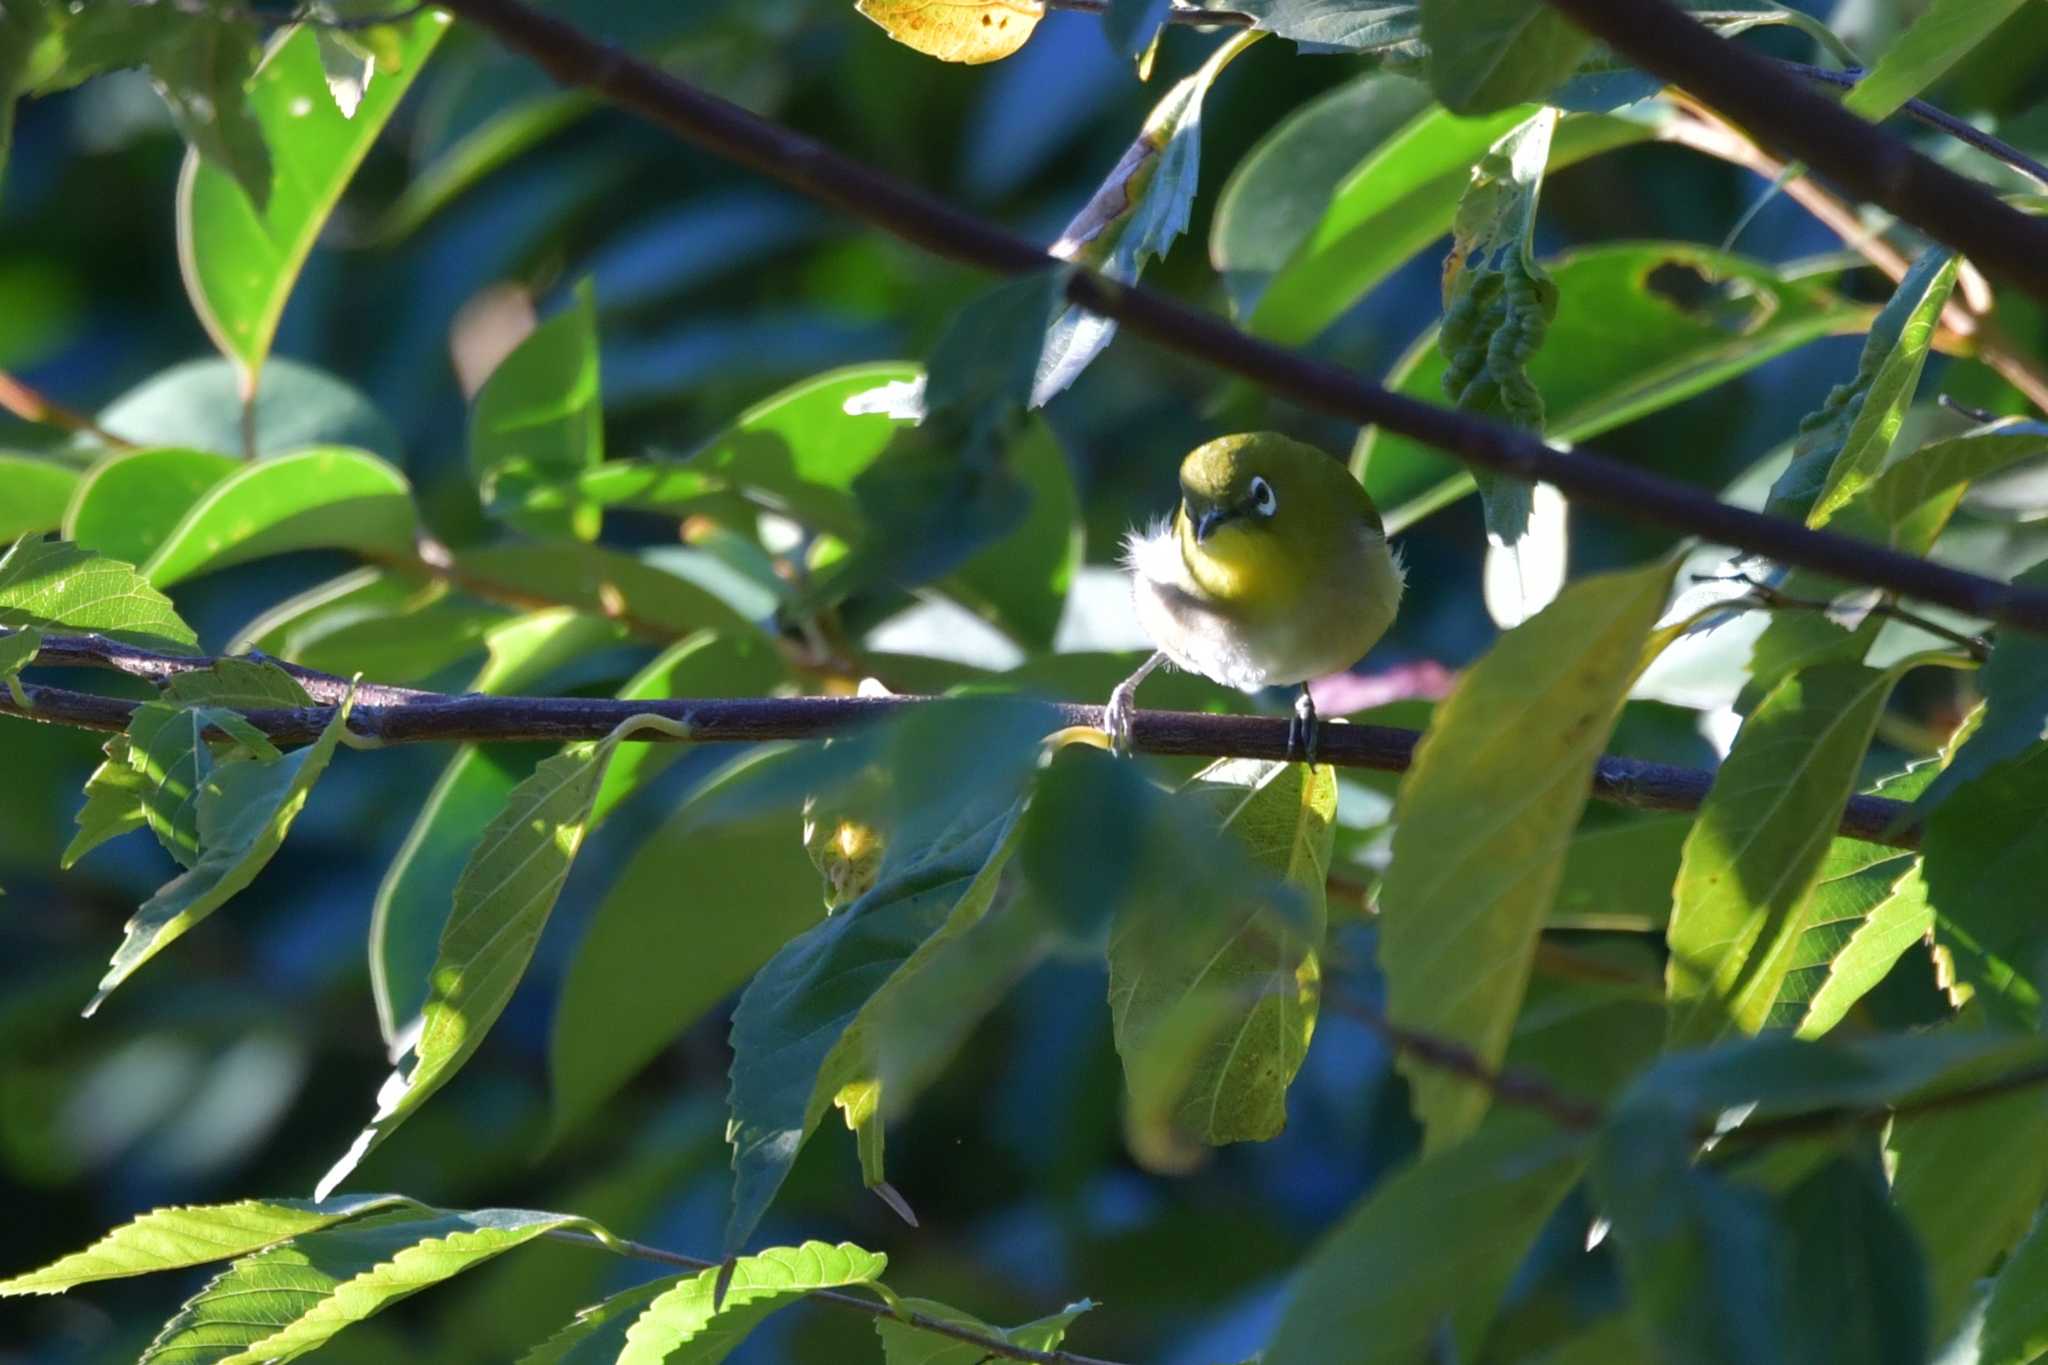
{"x":1249,"y":656}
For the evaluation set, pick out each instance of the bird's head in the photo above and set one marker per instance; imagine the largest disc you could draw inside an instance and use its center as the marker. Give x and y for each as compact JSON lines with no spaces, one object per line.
{"x":1264,"y":484}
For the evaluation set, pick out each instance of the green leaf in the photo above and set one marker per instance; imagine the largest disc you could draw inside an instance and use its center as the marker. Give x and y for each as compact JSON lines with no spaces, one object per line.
{"x":1387,"y":26}
{"x":696,"y":912}
{"x":1463,"y":901}
{"x":245,"y":807}
{"x":540,"y":414}
{"x":1857,"y":927}
{"x":1498,"y":303}
{"x":1756,"y":847}
{"x":413,"y":899}
{"x":1969,"y":1180}
{"x":37,"y":490}
{"x":202,"y":70}
{"x":682,"y":1326}
{"x":1940,"y":37}
{"x":173,"y":1239}
{"x":1909,"y":503}
{"x":1857,"y":1292}
{"x":169,"y":749}
{"x":1418,"y":1267}
{"x":502,"y":902}
{"x":113,"y":802}
{"x":1841,"y":445}
{"x":1985,"y":861}
{"x":1397,"y":199}
{"x":804,"y":1032}
{"x":1259,"y":976}
{"x":200,"y":405}
{"x":2014,"y":682}
{"x":1619,"y":876}
{"x":1488,"y":54}
{"x":18,"y":651}
{"x":129,"y":501}
{"x":1136,"y":215}
{"x":1020,"y":583}
{"x":1280,"y":189}
{"x":597,"y":1334}
{"x":289,"y":1300}
{"x":241,"y":254}
{"x":317,"y":499}
{"x":903,"y":1344}
{"x":62,"y":589}
{"x":1639,"y":326}
{"x":2016,"y":1316}
{"x":601,"y":582}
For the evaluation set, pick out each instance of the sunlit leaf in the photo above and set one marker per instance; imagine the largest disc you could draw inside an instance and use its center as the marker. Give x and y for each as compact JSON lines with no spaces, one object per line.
{"x":242,"y":255}
{"x":540,"y":414}
{"x":683,"y":1327}
{"x":1986,"y":858}
{"x":1942,"y":35}
{"x":316,"y":499}
{"x":957,"y":30}
{"x":1841,"y":444}
{"x":129,"y":501}
{"x":245,"y":807}
{"x":37,"y":492}
{"x":1258,"y":973}
{"x":61,"y":588}
{"x":501,"y":903}
{"x":2014,"y":681}
{"x":284,"y":1302}
{"x":1463,"y":901}
{"x":172,"y":1239}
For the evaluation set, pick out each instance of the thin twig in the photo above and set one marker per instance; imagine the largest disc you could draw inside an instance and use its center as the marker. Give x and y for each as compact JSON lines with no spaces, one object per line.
{"x":1769,"y":598}
{"x":1789,"y":118}
{"x":1962,"y":130}
{"x":403,"y":715}
{"x":995,"y":1346}
{"x":1518,"y":1088}
{"x":577,"y":60}
{"x":32,"y":406}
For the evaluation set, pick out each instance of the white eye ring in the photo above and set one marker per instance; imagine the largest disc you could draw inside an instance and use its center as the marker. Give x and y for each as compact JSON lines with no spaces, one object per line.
{"x":1263,"y":500}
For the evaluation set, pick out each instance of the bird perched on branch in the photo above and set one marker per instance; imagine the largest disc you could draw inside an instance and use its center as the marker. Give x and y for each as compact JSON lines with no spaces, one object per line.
{"x":1275,"y":569}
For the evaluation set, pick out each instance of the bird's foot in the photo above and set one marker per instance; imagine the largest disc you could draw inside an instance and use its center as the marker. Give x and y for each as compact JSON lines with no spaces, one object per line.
{"x":1303,"y":729}
{"x":1118,"y":715}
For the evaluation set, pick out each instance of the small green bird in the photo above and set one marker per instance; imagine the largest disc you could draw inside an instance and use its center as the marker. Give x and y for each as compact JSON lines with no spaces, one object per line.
{"x":1275,"y":569}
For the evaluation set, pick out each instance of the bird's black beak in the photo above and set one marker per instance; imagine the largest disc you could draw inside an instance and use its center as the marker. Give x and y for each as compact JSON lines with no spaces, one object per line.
{"x":1210,"y":520}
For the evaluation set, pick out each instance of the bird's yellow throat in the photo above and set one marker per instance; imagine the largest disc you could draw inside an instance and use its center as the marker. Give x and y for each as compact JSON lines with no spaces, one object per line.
{"x":1237,"y":565}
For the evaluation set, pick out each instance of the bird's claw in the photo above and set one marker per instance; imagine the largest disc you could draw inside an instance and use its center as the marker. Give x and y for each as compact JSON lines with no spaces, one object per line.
{"x":1117,"y":718}
{"x":1302,"y":730}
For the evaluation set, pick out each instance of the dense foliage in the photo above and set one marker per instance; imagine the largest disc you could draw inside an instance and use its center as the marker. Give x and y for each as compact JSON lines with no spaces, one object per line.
{"x":525,"y":581}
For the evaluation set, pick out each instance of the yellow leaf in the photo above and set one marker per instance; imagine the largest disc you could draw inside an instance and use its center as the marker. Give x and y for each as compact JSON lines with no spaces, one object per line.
{"x":957,"y":30}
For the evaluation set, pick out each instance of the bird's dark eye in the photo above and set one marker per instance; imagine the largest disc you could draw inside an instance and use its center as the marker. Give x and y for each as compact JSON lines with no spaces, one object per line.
{"x":1263,"y":501}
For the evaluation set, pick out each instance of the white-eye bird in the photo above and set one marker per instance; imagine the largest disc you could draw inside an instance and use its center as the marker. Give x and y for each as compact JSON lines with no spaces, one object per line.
{"x":1275,"y":569}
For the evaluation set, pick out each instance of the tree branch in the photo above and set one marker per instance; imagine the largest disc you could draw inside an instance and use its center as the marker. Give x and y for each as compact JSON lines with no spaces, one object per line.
{"x":404,"y":715}
{"x":1800,"y":124}
{"x":995,"y":1347}
{"x":727,"y":130}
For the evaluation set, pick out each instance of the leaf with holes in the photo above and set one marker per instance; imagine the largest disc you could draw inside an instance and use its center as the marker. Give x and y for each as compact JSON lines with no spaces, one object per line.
{"x":971,"y":31}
